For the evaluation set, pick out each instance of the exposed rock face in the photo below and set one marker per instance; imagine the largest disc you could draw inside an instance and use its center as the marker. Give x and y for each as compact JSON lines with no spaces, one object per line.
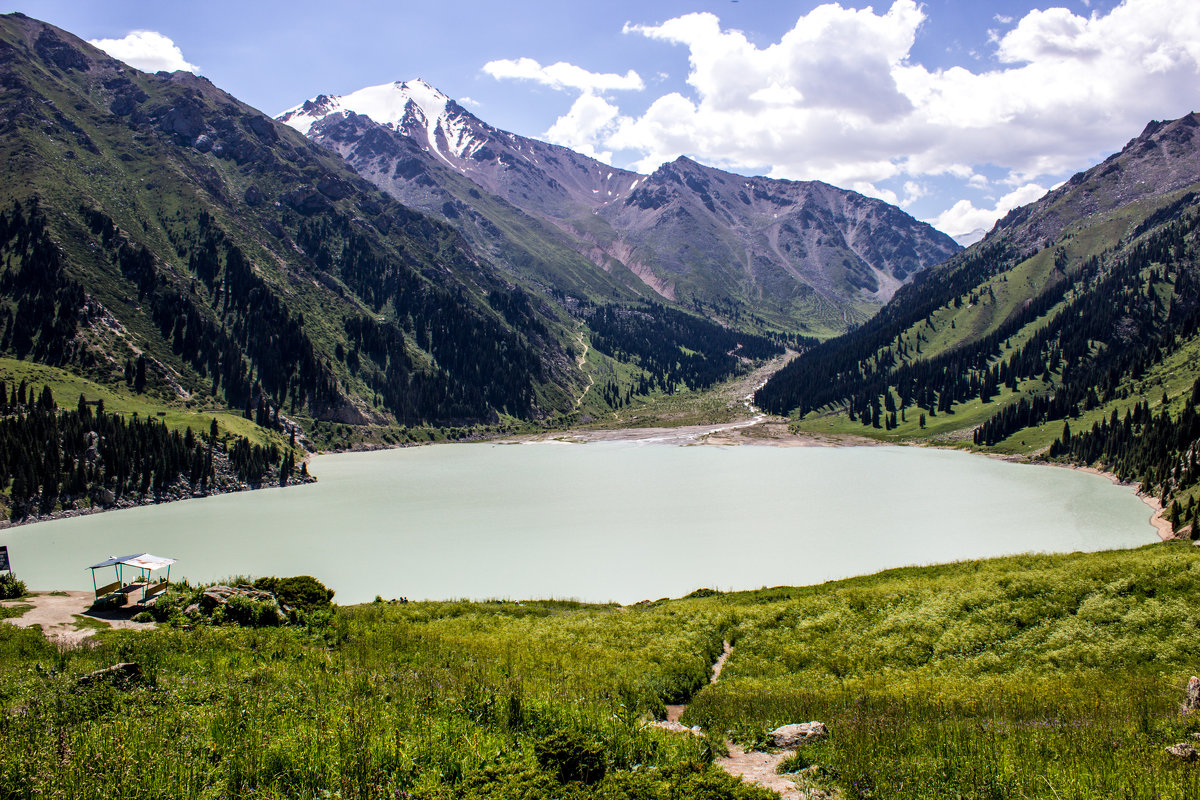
{"x":789,"y":737}
{"x":51,"y":47}
{"x":1164,"y":158}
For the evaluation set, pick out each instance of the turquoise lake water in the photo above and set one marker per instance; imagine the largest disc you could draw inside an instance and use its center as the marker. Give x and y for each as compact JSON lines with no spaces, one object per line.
{"x":602,"y":521}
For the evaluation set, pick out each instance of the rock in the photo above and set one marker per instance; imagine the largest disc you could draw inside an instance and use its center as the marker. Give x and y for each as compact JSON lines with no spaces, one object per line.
{"x":306,"y":200}
{"x":253,"y":196}
{"x":676,"y":727}
{"x":1191,"y":700}
{"x":1184,"y":751}
{"x":334,"y":188}
{"x":792,"y":736}
{"x":262,"y":127}
{"x":57,"y":52}
{"x":123,"y":675}
{"x":185,"y":119}
{"x":211,"y":599}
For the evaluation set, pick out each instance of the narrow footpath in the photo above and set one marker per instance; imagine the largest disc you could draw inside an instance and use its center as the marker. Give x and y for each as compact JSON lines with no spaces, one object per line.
{"x":751,"y":766}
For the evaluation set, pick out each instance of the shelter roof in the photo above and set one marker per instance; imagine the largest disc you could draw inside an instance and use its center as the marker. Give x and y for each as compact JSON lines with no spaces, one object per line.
{"x":137,"y":561}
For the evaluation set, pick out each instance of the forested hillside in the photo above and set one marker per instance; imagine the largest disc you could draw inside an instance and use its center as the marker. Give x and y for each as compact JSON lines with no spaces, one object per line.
{"x":239,"y":261}
{"x":1082,"y":349}
{"x":162,"y":241}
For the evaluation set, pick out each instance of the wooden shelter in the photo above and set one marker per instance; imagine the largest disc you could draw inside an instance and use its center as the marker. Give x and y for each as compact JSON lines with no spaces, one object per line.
{"x":144,"y":565}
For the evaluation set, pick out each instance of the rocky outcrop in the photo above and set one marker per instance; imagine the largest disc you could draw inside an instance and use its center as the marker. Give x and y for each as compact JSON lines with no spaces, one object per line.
{"x":220,"y":595}
{"x":789,"y":737}
{"x":1184,"y":751}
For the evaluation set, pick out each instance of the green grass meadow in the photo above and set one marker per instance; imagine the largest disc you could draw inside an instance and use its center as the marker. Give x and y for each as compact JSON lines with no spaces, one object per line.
{"x":1033,"y":676}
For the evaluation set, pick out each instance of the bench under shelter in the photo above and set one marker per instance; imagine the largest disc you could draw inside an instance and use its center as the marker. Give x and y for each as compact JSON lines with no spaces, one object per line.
{"x":141,"y":568}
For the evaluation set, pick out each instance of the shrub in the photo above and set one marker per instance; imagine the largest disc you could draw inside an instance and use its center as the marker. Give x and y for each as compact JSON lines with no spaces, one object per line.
{"x":302,"y":592}
{"x":250,"y":613}
{"x":171,"y":604}
{"x":571,"y":756}
{"x":11,"y":587}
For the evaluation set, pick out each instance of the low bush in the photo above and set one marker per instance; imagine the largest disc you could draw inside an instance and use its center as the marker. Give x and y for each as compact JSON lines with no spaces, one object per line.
{"x":248,"y":612}
{"x":302,"y":592}
{"x":11,"y":587}
{"x":571,"y":756}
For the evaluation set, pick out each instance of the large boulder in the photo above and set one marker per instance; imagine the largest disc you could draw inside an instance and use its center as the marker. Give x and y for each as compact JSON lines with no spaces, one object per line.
{"x":789,"y":737}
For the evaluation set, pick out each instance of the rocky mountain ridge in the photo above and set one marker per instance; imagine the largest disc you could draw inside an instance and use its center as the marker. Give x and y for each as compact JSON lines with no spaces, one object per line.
{"x":787,"y":253}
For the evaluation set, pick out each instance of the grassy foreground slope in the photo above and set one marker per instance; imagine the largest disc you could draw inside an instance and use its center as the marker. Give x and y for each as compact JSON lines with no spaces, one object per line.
{"x":1034,"y":676}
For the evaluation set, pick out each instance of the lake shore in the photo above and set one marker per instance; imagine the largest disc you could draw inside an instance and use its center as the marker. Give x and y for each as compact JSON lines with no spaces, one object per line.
{"x":1158,"y":514}
{"x":758,"y":430}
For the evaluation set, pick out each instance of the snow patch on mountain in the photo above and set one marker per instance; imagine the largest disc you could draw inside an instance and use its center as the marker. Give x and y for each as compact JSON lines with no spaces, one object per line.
{"x":402,"y":105}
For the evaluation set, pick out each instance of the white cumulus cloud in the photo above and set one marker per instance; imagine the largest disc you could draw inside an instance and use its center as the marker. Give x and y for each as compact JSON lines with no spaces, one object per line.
{"x":839,"y":97}
{"x":589,"y":122}
{"x":562,"y":75}
{"x":963,"y":217}
{"x":148,"y":51}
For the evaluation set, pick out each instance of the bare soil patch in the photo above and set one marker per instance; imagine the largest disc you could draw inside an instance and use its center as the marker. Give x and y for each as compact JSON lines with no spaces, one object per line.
{"x":64,"y":616}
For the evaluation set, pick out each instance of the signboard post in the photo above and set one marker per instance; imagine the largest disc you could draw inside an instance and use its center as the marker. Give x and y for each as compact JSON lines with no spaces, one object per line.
{"x":4,"y":559}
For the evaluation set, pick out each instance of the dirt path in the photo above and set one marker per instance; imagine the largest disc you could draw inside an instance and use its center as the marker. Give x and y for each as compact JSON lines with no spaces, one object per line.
{"x":751,"y":766}
{"x":759,"y":768}
{"x":64,"y":616}
{"x":579,"y":362}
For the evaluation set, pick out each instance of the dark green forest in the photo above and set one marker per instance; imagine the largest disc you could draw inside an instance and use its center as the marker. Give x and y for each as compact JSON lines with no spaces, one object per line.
{"x":675,"y":349}
{"x":52,"y":458}
{"x":1101,"y":326}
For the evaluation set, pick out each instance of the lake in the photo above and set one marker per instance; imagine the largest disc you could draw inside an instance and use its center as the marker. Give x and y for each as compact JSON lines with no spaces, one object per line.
{"x":621,"y":521}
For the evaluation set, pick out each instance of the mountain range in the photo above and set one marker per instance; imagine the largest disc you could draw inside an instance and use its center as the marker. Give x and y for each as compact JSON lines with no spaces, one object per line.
{"x":386,"y":261}
{"x":784,"y":254}
{"x":167,"y":239}
{"x":157,"y":219}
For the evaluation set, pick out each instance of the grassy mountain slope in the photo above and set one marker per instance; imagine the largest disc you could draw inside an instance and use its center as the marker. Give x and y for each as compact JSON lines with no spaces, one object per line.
{"x":1032,"y":676}
{"x":247,"y":265}
{"x":1022,"y":339}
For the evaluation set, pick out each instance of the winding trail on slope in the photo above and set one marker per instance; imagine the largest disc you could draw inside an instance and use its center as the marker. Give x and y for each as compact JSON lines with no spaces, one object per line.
{"x":579,"y":362}
{"x":749,"y":765}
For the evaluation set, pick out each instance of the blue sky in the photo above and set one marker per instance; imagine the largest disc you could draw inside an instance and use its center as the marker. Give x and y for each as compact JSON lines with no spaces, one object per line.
{"x":955,"y":110}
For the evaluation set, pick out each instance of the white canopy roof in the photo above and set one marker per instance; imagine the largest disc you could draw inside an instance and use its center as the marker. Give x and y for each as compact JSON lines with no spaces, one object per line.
{"x":138,"y":561}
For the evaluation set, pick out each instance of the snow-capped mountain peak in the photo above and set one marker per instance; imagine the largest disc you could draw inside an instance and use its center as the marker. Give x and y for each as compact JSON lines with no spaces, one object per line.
{"x":401,"y":105}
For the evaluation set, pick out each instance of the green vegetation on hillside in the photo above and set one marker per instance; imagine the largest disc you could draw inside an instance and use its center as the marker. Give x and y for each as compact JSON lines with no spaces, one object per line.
{"x":1034,"y":676}
{"x":1050,"y":353}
